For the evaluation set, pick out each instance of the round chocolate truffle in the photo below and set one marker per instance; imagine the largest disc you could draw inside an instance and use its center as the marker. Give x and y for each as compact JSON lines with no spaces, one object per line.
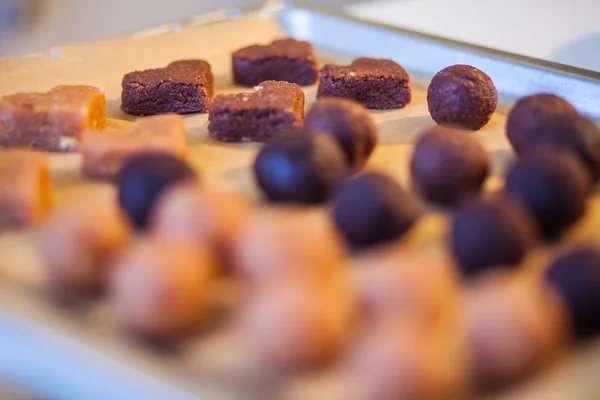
{"x":529,"y":112}
{"x":300,"y":167}
{"x":160,"y":289}
{"x":291,"y":326}
{"x":513,"y":330}
{"x":268,"y":251}
{"x":80,"y":242}
{"x":491,"y":232}
{"x":144,"y":178}
{"x":413,"y":287}
{"x":462,"y":96}
{"x":553,"y":186}
{"x":392,"y":361}
{"x":572,"y":133}
{"x":576,"y":277}
{"x":448,"y":166}
{"x":202,"y":215}
{"x":349,"y":123}
{"x":373,"y":209}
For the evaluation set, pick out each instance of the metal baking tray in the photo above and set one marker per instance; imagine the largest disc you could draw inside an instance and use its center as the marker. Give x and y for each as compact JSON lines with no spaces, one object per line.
{"x":68,"y":355}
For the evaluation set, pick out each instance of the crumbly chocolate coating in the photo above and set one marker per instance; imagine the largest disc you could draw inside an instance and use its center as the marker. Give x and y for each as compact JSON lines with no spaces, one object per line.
{"x":572,"y":133}
{"x":576,"y":277}
{"x":274,"y":108}
{"x":349,"y":124}
{"x":374,"y":83}
{"x":448,"y":166}
{"x":183,"y":87}
{"x":300,"y":167}
{"x":491,"y":232}
{"x":553,"y":186}
{"x":461,"y":96}
{"x":283,"y":60}
{"x":531,"y":111}
{"x":142,"y":181}
{"x":372,"y":209}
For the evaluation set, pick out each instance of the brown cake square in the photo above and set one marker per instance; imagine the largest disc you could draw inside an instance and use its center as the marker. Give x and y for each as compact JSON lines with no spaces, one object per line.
{"x":273,"y":108}
{"x":52,"y":121}
{"x":104,"y":153}
{"x":374,"y":83}
{"x":183,"y":87}
{"x":283,"y":60}
{"x":25,"y":193}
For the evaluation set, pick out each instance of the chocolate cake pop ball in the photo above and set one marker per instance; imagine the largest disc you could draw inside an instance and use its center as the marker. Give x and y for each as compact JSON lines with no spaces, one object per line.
{"x":288,"y":326}
{"x":461,"y":96}
{"x":300,"y":167}
{"x":200,"y":215}
{"x":288,"y":244}
{"x":513,"y":330}
{"x":395,"y":361}
{"x":349,"y":124}
{"x":143,"y":180}
{"x":571,"y":133}
{"x":161,"y":289}
{"x":531,"y":111}
{"x":448,"y":166}
{"x":491,"y":232}
{"x":575,"y":276}
{"x":373,"y":209}
{"x":553,"y":186}
{"x":80,"y":242}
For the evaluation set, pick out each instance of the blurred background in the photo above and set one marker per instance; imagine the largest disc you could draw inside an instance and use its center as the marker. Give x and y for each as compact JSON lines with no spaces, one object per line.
{"x":563,"y":31}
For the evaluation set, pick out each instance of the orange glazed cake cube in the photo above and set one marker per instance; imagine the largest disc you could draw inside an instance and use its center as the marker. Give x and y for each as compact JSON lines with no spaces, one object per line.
{"x":52,"y":121}
{"x":25,"y":192}
{"x":104,"y":153}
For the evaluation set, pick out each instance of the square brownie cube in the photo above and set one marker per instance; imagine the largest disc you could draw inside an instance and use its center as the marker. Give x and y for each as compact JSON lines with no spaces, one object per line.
{"x":374,"y":83}
{"x":25,"y":192}
{"x":283,"y":60}
{"x":274,"y":108}
{"x":104,"y":153}
{"x":183,"y":87}
{"x":52,"y":121}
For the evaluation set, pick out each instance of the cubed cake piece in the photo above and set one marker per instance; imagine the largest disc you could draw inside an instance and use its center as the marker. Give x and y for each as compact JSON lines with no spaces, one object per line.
{"x":274,"y":108}
{"x":51,"y":121}
{"x":104,"y":153}
{"x":182,"y":87}
{"x":374,"y":83}
{"x":283,"y":60}
{"x":25,"y":193}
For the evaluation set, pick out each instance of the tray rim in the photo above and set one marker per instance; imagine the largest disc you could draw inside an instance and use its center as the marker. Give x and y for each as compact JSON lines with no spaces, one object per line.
{"x":274,"y":7}
{"x":553,"y":66}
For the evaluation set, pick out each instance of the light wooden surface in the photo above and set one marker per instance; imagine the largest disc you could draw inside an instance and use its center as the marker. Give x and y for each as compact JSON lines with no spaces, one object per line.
{"x":103,"y":64}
